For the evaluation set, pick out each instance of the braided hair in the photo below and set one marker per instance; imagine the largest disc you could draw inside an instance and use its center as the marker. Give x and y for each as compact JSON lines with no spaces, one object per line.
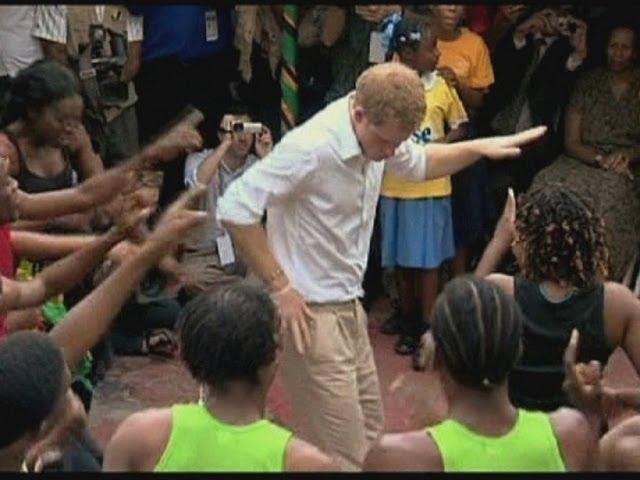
{"x":563,"y":240}
{"x":404,"y":32}
{"x":477,"y":328}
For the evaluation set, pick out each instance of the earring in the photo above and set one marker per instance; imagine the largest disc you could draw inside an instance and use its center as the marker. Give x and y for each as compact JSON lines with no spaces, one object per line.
{"x":203,"y":395}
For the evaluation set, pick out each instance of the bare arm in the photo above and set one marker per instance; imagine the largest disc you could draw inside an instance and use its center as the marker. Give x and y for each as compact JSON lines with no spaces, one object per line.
{"x":58,"y":277}
{"x":473,"y":98}
{"x":252,"y":242}
{"x":573,"y":141}
{"x":132,"y":449}
{"x":38,"y":246}
{"x":92,"y":317}
{"x":410,"y":451}
{"x":577,"y":438}
{"x":447,"y":159}
{"x":209,"y":167}
{"x":301,"y":456}
{"x":622,"y":320}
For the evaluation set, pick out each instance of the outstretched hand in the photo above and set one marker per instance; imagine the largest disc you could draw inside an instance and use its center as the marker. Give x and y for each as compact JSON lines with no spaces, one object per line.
{"x":508,"y":146}
{"x":179,"y":219}
{"x":179,"y":140}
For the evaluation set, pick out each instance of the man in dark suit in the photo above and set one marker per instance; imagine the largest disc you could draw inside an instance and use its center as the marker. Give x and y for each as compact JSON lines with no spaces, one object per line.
{"x":535,"y":67}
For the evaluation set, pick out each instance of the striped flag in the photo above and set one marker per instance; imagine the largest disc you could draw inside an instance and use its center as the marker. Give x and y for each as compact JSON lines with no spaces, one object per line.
{"x":289,"y":106}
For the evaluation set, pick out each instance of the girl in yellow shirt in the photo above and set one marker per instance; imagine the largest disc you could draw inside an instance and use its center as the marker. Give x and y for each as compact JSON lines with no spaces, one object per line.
{"x":417,"y":231}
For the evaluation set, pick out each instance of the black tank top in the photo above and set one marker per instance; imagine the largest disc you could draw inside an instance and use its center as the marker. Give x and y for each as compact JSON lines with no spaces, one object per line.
{"x":32,"y":183}
{"x":536,"y":382}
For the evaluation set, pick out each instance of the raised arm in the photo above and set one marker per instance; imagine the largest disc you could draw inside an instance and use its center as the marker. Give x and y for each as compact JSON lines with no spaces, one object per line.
{"x":447,"y":159}
{"x":97,"y":190}
{"x":60,"y":276}
{"x":91,"y":318}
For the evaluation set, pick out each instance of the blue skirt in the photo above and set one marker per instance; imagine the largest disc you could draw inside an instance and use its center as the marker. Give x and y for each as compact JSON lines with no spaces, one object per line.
{"x":416,"y":233}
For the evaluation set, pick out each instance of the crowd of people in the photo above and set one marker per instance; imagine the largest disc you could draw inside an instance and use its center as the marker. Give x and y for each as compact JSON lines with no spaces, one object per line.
{"x":477,"y":164}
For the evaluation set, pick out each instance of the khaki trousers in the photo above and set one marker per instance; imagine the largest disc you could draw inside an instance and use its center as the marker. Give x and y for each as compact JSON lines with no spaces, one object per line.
{"x":333,"y":387}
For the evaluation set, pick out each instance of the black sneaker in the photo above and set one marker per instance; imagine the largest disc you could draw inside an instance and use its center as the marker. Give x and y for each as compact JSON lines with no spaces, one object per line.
{"x":406,"y":345}
{"x":391,"y":326}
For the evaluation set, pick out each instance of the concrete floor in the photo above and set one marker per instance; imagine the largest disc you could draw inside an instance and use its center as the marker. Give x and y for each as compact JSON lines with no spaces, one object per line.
{"x":411,"y":399}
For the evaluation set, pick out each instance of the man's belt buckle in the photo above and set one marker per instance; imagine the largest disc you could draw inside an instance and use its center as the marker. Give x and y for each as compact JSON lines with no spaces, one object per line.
{"x":87,"y":74}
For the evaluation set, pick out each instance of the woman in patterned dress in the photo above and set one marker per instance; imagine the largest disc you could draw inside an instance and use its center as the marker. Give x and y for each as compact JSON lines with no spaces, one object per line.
{"x":602,"y":147}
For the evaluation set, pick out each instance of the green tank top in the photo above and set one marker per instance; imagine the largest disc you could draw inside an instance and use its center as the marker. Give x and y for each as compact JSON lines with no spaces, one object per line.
{"x":200,"y":442}
{"x":531,"y":446}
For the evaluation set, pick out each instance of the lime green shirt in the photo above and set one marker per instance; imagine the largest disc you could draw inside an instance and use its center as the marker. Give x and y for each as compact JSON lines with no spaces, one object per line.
{"x":201,"y":443}
{"x":531,"y":446}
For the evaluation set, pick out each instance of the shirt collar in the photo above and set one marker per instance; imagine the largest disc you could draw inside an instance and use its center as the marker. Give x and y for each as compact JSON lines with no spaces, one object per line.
{"x":429,"y":79}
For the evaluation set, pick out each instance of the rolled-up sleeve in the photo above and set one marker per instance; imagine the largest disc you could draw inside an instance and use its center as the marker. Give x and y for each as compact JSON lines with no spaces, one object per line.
{"x":275,"y":178}
{"x":410,"y":162}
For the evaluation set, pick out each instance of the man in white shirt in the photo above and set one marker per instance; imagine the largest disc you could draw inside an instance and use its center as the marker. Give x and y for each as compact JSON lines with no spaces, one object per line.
{"x":319,"y":187}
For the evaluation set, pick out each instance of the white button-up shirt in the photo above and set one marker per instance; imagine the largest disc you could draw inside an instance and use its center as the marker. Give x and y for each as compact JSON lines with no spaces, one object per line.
{"x":320,"y":194}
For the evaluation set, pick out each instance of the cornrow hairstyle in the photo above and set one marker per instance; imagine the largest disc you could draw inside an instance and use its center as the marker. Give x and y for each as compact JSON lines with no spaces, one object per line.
{"x":477,"y":328}
{"x":229,"y":335}
{"x":42,"y":83}
{"x":564,"y":241}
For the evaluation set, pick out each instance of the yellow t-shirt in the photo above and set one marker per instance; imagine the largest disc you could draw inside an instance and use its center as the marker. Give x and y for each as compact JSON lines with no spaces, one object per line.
{"x":443,"y":108}
{"x":469,"y":58}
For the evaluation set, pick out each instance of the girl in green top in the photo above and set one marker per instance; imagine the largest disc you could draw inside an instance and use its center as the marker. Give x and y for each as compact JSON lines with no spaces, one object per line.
{"x":477,"y":331}
{"x":230,"y":344}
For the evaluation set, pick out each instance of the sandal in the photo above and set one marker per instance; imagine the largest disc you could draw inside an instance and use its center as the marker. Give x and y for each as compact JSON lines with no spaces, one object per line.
{"x":160,"y":342}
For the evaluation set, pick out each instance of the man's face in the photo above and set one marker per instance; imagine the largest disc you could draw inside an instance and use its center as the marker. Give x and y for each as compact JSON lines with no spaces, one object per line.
{"x":241,"y":143}
{"x":378,"y":142}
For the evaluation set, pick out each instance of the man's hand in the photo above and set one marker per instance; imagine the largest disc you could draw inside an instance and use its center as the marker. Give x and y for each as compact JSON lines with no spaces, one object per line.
{"x":449,"y":75}
{"x":264,"y":142}
{"x":294,"y":316}
{"x":508,"y":146}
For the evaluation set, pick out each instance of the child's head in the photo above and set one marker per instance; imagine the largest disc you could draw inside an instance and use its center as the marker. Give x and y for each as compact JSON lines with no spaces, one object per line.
{"x":477,"y":330}
{"x":448,"y":17}
{"x":559,"y":239}
{"x":413,"y":39}
{"x":242,"y":141}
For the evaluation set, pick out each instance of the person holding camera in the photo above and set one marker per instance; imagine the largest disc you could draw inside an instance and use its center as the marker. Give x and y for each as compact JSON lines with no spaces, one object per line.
{"x":535,"y":67}
{"x":102,"y":44}
{"x":209,"y":257}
